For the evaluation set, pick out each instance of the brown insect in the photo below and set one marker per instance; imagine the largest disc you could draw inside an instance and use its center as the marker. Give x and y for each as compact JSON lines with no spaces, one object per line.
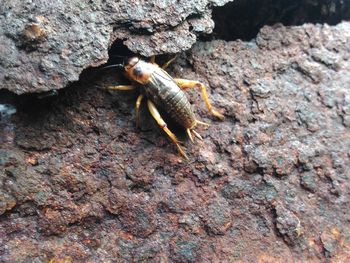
{"x":166,"y":93}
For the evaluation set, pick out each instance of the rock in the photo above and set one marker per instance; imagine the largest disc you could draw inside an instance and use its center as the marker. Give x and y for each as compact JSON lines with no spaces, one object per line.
{"x":185,"y":249}
{"x":46,"y":46}
{"x":235,"y":189}
{"x":288,"y":225}
{"x":334,"y":242}
{"x":268,"y":183}
{"x":218,"y":218}
{"x":138,"y":219}
{"x":308,"y":181}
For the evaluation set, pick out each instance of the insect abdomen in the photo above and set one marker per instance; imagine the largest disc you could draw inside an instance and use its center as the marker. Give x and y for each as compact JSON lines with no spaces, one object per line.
{"x":179,"y":108}
{"x":165,"y":93}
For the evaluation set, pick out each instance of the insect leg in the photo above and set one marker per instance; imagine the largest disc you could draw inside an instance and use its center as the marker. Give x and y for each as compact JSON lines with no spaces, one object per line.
{"x":138,"y":104}
{"x":121,"y":87}
{"x":203,"y":123}
{"x":169,"y":62}
{"x":155,"y":114}
{"x":188,"y":84}
{"x":189,"y":134}
{"x":153,"y":61}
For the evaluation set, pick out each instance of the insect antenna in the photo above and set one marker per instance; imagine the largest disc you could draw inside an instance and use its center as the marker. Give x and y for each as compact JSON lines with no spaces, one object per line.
{"x":120,"y":66}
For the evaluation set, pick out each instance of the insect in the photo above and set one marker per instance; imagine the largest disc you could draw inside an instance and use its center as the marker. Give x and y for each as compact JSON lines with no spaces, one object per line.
{"x":166,"y":93}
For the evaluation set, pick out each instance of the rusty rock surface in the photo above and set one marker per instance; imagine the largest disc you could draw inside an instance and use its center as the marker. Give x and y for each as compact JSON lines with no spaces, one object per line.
{"x":45,"y":45}
{"x":268,"y":184}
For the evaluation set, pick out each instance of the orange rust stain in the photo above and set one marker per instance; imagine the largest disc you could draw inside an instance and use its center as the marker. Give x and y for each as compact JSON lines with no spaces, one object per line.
{"x":125,"y":235}
{"x":335,"y":232}
{"x":34,"y":32}
{"x":66,"y":259}
{"x":32,"y":159}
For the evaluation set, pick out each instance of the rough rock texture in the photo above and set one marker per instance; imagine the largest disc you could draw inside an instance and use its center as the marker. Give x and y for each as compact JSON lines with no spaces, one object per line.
{"x":45,"y":45}
{"x":268,"y":184}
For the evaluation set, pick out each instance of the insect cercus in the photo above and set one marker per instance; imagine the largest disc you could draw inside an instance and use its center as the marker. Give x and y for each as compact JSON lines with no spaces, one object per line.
{"x":164,"y":92}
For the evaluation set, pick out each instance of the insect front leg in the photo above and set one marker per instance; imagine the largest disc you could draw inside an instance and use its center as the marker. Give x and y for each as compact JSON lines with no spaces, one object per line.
{"x":155,"y":114}
{"x":188,"y":84}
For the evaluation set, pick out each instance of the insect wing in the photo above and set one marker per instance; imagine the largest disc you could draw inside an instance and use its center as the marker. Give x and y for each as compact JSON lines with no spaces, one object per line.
{"x":161,"y":78}
{"x":161,"y":87}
